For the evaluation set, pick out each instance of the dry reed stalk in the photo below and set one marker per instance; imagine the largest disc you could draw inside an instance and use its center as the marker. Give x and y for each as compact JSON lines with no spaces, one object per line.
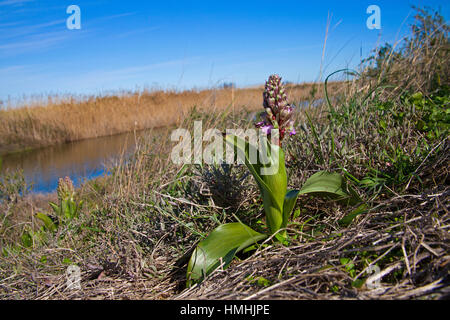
{"x":60,"y":122}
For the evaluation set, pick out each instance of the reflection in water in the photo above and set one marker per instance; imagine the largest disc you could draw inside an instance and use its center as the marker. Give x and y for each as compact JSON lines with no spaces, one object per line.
{"x":79,"y":160}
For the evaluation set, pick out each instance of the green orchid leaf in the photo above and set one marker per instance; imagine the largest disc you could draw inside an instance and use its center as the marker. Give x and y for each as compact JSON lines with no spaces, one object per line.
{"x":289,"y":202}
{"x":331,"y":185}
{"x":219,"y":248}
{"x":48,"y":223}
{"x":66,"y":208}
{"x":271,"y":177}
{"x":55,"y":208}
{"x":273,"y":203}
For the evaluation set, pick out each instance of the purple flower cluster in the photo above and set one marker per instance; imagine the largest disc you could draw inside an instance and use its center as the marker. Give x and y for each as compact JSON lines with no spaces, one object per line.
{"x":278,"y":113}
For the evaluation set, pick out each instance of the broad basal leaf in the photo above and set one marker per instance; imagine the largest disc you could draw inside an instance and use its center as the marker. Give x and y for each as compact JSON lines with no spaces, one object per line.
{"x":331,"y":185}
{"x":219,"y":248}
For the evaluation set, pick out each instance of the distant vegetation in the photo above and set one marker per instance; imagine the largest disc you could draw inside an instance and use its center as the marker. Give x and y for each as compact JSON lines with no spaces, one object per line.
{"x":70,"y":119}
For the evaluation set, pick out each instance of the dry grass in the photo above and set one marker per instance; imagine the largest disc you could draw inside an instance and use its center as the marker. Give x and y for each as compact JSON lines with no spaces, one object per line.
{"x":140,"y":253}
{"x":407,"y":235}
{"x":419,"y":62}
{"x":72,"y":120}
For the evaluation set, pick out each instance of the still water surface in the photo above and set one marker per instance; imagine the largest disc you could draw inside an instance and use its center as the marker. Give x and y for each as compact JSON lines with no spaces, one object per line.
{"x":80,"y":160}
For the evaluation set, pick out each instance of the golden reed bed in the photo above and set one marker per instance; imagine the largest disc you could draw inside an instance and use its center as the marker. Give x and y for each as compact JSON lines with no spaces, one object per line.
{"x":72,"y":119}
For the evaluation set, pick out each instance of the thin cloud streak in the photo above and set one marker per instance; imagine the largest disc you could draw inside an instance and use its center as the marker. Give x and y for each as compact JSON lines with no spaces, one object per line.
{"x":13,"y":2}
{"x":37,"y":42}
{"x":11,"y":24}
{"x":28,"y":30}
{"x":11,"y":69}
{"x":25,"y":39}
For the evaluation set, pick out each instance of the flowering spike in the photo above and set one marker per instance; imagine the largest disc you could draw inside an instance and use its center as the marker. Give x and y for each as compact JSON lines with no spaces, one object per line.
{"x":278,"y":112}
{"x":65,"y":189}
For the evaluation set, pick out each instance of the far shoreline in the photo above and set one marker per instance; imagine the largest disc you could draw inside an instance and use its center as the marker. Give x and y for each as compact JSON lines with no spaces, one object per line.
{"x":29,"y":128}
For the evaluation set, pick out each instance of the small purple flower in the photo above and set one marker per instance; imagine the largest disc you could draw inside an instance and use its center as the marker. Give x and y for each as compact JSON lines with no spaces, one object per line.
{"x":267,"y":129}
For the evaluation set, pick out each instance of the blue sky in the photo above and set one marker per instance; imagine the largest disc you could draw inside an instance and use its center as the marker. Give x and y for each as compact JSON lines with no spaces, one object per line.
{"x":128,"y":45}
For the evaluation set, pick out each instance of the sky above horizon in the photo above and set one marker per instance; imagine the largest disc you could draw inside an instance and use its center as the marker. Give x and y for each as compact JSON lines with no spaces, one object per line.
{"x":132,"y":45}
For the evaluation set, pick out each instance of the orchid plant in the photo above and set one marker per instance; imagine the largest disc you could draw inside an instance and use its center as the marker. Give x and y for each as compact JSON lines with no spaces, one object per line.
{"x":66,"y":210}
{"x":222,"y":244}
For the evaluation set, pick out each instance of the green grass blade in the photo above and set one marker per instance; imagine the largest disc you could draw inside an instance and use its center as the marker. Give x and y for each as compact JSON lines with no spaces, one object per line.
{"x":55,"y":208}
{"x":289,"y":203}
{"x":330,"y":106}
{"x":317,"y":150}
{"x":344,"y":222}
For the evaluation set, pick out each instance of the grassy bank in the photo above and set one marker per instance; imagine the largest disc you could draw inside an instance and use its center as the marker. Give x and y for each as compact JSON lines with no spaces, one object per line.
{"x":135,"y":230}
{"x":68,"y":119}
